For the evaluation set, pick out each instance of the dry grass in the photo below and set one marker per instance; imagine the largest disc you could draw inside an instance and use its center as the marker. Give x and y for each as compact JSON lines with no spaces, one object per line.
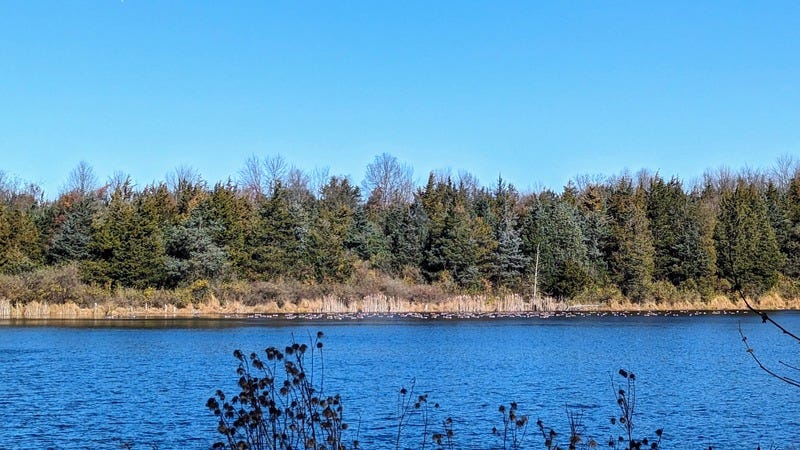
{"x":242,"y":299}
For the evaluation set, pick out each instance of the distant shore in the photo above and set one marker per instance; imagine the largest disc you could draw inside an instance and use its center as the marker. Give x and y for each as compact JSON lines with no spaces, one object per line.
{"x":381,"y":306}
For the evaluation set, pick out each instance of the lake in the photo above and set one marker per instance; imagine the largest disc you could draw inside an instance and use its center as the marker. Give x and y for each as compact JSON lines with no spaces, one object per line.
{"x":112,"y":384}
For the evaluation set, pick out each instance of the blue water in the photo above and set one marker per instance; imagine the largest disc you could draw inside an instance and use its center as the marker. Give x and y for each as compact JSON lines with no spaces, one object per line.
{"x":111,"y":384}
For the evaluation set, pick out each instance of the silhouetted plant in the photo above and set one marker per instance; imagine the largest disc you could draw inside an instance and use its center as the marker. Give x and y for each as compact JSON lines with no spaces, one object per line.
{"x":409,"y":407}
{"x":272,"y":414}
{"x":281,"y":405}
{"x":625,"y":393}
{"x":515,"y":426}
{"x":576,"y":431}
{"x":444,"y":440}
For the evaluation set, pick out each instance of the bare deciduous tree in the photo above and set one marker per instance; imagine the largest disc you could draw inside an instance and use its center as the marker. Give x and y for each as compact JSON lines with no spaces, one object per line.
{"x":120,"y":182}
{"x":182,"y":177}
{"x":277,"y":170}
{"x":786,"y":167}
{"x":81,"y":180}
{"x":387,"y":181}
{"x":319,"y":178}
{"x":251,"y":178}
{"x":298,"y":184}
{"x":260,"y":176}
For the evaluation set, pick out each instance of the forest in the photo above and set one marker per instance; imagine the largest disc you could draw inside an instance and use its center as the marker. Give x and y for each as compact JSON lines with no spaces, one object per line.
{"x":275,"y":233}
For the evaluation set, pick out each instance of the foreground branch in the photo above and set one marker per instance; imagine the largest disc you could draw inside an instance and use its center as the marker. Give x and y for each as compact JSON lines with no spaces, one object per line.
{"x":765,"y":318}
{"x":785,"y":379}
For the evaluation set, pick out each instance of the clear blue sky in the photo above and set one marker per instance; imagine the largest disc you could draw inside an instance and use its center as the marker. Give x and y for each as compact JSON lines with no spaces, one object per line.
{"x":536,"y":91}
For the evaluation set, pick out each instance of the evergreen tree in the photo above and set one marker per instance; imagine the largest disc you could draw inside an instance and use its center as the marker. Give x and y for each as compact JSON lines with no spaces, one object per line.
{"x":747,"y":251}
{"x":187,"y":188}
{"x":73,"y":231}
{"x":276,"y":243}
{"x":127,"y":246}
{"x":405,"y":228}
{"x":191,"y":253}
{"x":332,"y":226}
{"x":679,"y":254}
{"x":437,"y":199}
{"x":19,"y":240}
{"x":791,"y":237}
{"x":552,"y":234}
{"x":591,"y":202}
{"x":233,"y":215}
{"x":630,"y":251}
{"x":459,"y":245}
{"x":509,"y":260}
{"x":365,"y":240}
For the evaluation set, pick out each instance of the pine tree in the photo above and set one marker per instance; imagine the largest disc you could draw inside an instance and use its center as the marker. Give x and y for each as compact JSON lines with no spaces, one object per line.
{"x":791,"y":242}
{"x":365,"y":240}
{"x":509,"y":259}
{"x":233,"y":215}
{"x":73,"y":229}
{"x":405,"y":228}
{"x":331,"y":227}
{"x":630,"y":253}
{"x":459,"y":244}
{"x":679,"y":254}
{"x":127,"y":246}
{"x":747,"y":251}
{"x":276,"y":243}
{"x":19,"y":240}
{"x":551,"y":233}
{"x":191,"y":253}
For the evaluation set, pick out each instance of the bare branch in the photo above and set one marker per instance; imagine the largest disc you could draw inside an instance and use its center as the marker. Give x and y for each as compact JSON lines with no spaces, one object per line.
{"x":251,"y":178}
{"x":786,"y":167}
{"x":81,"y":180}
{"x":765,"y":318}
{"x":785,"y":379}
{"x":387,"y":181}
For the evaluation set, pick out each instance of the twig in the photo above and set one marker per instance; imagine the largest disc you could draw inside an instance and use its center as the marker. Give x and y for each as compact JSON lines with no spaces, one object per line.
{"x":752,"y":353}
{"x":765,"y":318}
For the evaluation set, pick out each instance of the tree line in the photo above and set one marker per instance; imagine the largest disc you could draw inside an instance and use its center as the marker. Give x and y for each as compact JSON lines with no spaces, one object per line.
{"x":643,"y":236}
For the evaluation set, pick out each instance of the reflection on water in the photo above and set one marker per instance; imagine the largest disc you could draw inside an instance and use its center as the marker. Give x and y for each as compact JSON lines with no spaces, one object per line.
{"x":102,"y":384}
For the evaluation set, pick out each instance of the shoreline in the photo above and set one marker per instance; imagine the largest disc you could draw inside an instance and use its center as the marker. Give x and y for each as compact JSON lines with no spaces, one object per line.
{"x":382,"y":307}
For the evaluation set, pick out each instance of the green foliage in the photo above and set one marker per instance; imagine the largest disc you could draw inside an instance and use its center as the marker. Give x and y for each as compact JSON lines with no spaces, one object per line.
{"x":192,"y":254}
{"x":366,"y":241}
{"x":509,"y":258}
{"x":405,"y":228}
{"x":747,"y":251}
{"x":19,"y":241}
{"x":597,"y":236}
{"x":331,"y":228}
{"x":630,"y":251}
{"x":679,"y":254}
{"x":459,"y":244}
{"x":73,"y":230}
{"x":552,"y":229}
{"x":790,"y":243}
{"x":127,"y":247}
{"x":233,"y":216}
{"x":276,"y":243}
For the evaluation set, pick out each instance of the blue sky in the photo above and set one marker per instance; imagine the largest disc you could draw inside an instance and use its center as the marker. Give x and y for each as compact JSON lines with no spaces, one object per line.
{"x":537,"y":92}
